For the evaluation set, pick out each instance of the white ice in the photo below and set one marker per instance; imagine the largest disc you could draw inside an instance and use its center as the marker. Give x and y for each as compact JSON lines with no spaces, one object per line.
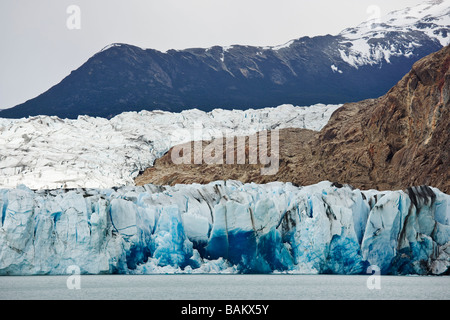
{"x":45,"y":152}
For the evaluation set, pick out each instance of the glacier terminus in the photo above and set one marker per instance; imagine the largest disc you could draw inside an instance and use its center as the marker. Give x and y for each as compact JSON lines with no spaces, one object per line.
{"x":224,"y":227}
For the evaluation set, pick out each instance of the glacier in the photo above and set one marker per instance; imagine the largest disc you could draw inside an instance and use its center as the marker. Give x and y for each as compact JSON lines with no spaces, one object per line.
{"x":224,"y":227}
{"x":46,"y":152}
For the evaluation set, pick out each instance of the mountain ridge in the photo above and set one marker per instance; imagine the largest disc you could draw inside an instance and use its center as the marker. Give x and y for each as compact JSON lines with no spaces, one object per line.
{"x":359,"y":63}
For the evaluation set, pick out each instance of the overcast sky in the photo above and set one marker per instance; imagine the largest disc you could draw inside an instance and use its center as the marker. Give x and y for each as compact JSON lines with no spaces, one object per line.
{"x":38,"y":49}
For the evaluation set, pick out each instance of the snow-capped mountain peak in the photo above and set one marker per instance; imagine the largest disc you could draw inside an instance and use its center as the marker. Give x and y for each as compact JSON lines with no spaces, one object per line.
{"x":377,"y":40}
{"x":432,"y":15}
{"x":436,"y":11}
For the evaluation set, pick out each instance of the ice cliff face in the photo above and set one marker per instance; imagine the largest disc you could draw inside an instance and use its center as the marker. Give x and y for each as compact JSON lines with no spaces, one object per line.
{"x":224,"y":227}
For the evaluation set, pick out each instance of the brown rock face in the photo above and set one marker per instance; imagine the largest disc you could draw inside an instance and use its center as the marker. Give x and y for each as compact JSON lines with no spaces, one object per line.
{"x":398,"y":140}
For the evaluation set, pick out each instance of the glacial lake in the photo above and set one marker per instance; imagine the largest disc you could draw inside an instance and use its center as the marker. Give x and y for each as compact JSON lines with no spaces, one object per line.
{"x":223,"y":287}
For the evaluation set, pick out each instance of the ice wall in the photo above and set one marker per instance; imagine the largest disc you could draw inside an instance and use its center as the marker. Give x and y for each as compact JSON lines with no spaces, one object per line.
{"x":224,"y":227}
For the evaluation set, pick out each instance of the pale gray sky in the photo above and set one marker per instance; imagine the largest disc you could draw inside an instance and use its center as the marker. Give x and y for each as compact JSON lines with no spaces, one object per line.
{"x":38,"y":50}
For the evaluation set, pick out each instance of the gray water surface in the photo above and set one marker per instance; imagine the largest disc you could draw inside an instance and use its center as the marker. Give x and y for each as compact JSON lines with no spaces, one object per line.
{"x":223,"y":287}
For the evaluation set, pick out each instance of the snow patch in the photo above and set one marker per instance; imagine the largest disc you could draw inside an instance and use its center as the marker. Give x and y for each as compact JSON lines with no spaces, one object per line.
{"x":335,"y":69}
{"x":278,"y":47}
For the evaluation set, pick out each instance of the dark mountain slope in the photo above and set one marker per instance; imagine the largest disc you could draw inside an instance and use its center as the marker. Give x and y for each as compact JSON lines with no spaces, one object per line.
{"x":359,"y":63}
